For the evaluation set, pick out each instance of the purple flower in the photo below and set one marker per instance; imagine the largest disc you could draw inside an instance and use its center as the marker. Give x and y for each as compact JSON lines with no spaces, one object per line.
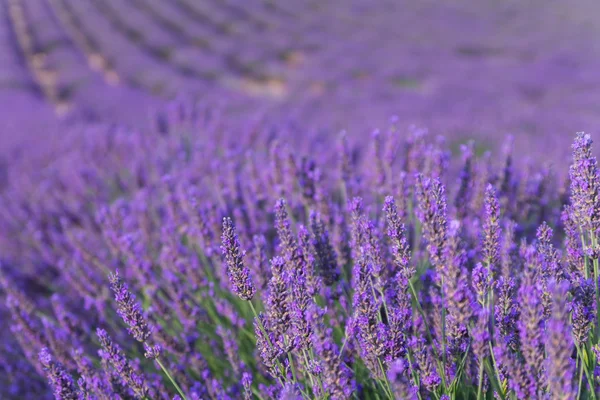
{"x":129,"y":309}
{"x":112,"y":353}
{"x":325,"y":256}
{"x":247,"y":384}
{"x":491,"y":231}
{"x":268,"y":349}
{"x":549,"y":256}
{"x":506,"y":312}
{"x":431,"y":198}
{"x":399,"y":376}
{"x":397,"y":234}
{"x":59,"y":379}
{"x":583,"y":310}
{"x":560,"y":368}
{"x":239,"y":276}
{"x":585,"y":185}
{"x":278,"y":308}
{"x":290,"y":392}
{"x":337,"y":377}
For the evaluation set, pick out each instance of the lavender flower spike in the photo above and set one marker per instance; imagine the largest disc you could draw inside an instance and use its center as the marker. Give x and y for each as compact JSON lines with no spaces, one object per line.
{"x":129,"y":309}
{"x":491,"y":230}
{"x":397,"y":234}
{"x":585,"y":184}
{"x":560,"y":369}
{"x":112,"y":353}
{"x":239,"y":275}
{"x":59,"y":379}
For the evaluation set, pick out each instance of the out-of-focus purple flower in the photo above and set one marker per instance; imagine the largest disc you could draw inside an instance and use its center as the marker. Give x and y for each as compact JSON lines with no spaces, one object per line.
{"x":430,"y":377}
{"x":247,"y":384}
{"x":239,"y":276}
{"x":481,"y":336}
{"x":509,"y":249}
{"x":560,"y":368}
{"x":585,"y":184}
{"x":284,"y":230}
{"x":325,"y":256}
{"x":290,"y":392}
{"x":61,"y":382}
{"x":549,"y":256}
{"x":399,"y":376}
{"x":464,"y":193}
{"x":259,"y":263}
{"x":531,"y":330}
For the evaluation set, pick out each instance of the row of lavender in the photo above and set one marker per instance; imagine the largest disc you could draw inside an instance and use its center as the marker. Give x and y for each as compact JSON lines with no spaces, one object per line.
{"x":137,"y":267}
{"x":350,"y":59}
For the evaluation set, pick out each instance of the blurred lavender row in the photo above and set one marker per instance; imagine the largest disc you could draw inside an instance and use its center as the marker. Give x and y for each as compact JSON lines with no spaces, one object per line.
{"x":463,"y":70}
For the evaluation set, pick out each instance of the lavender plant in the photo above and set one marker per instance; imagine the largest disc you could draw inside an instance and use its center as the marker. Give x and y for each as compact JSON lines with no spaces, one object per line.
{"x":329,"y":285}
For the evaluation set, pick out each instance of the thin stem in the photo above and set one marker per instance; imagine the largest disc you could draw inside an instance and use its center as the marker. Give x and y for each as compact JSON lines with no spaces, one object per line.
{"x":387,"y":386}
{"x":587,"y":372}
{"x":171,"y":379}
{"x":443,"y":372}
{"x":480,"y":382}
{"x":427,"y":330}
{"x":580,"y":380}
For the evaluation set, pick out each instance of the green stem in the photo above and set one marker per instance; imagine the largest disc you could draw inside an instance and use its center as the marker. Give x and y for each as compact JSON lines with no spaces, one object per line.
{"x":427,"y":331}
{"x":587,"y":372}
{"x":580,"y":380}
{"x":171,"y":379}
{"x":480,"y":381}
{"x":387,"y":386}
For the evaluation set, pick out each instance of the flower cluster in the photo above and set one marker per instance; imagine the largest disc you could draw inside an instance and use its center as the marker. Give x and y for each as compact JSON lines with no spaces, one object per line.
{"x":339,"y":278}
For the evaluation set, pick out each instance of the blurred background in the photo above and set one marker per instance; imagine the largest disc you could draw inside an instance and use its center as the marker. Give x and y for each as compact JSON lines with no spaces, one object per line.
{"x":463,"y":69}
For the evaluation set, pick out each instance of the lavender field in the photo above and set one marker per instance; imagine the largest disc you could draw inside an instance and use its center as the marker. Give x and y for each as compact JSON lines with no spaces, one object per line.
{"x":224,"y":199}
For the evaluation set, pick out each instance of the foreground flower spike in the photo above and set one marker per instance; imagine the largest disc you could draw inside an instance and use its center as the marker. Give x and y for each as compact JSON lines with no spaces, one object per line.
{"x":325,"y":256}
{"x":112,"y":353}
{"x":491,"y":231}
{"x":278,"y":308}
{"x":431,"y":197}
{"x":129,"y":309}
{"x":583,"y":310}
{"x":337,"y":377}
{"x":585,"y":184}
{"x":560,"y":368}
{"x":397,"y":234}
{"x":58,"y":378}
{"x":239,"y":275}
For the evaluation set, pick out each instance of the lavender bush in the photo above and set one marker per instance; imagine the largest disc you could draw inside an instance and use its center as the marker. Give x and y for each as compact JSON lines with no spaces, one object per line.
{"x":137,"y":267}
